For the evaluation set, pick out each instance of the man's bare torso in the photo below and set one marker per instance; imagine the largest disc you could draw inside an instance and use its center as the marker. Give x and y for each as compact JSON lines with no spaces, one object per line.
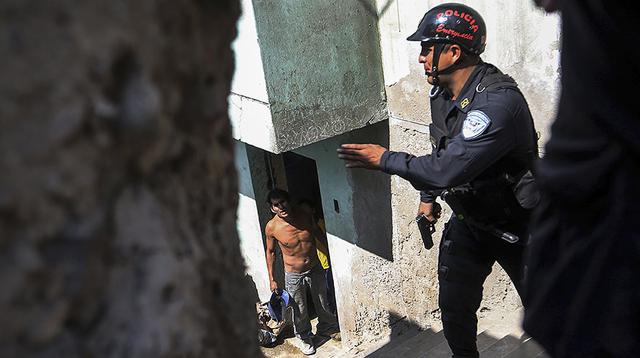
{"x":296,"y":241}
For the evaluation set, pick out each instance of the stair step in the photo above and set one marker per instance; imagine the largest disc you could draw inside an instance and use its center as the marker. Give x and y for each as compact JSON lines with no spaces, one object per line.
{"x":501,"y":348}
{"x":416,"y":346}
{"x":528,"y":349}
{"x":485,"y":340}
{"x":442,"y":350}
{"x":394,"y":341}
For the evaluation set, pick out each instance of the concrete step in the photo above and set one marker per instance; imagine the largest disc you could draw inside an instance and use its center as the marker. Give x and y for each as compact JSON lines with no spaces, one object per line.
{"x":528,"y":349}
{"x":442,"y":350}
{"x":414,"y":346}
{"x":485,"y":339}
{"x":501,"y":337}
{"x":501,"y":348}
{"x":383,"y":349}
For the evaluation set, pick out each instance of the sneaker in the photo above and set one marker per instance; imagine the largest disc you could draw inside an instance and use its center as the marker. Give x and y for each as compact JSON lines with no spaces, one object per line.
{"x":306,"y":346}
{"x":333,"y":335}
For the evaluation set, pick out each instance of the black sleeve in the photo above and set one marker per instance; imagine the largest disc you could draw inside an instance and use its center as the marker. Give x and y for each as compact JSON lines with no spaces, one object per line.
{"x":429,"y":196}
{"x":462,"y":160}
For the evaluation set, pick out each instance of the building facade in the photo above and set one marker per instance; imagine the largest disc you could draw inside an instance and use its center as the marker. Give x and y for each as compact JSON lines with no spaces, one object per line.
{"x":312,"y":75}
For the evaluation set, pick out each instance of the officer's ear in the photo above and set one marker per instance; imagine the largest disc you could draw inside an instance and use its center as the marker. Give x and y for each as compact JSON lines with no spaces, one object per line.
{"x":456,"y":52}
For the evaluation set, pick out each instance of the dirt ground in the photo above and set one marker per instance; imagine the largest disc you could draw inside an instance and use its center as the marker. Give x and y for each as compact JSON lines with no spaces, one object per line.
{"x":285,"y":346}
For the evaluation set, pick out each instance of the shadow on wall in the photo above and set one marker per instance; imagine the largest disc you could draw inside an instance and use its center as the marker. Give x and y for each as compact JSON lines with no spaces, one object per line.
{"x":370,"y":8}
{"x":372,"y":197}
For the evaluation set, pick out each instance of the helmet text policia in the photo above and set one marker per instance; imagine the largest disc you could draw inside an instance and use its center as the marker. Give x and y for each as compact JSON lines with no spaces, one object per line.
{"x":451,"y":23}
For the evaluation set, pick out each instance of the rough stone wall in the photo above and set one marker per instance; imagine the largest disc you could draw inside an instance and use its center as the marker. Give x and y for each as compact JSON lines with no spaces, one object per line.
{"x":118,"y":191}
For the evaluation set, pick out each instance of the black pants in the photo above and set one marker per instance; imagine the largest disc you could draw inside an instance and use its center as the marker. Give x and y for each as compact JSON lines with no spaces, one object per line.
{"x":465,"y":261}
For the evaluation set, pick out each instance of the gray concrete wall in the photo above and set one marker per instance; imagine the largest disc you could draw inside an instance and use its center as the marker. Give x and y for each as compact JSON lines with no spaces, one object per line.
{"x":360,"y":236}
{"x":309,"y":70}
{"x":521,"y":40}
{"x":249,"y":108}
{"x":249,"y":225}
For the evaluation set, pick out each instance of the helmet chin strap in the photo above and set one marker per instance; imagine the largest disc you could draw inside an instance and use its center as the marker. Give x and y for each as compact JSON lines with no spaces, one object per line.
{"x":435,"y":72}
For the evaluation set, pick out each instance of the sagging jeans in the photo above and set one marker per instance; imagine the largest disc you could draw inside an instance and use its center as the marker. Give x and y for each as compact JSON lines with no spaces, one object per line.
{"x":297,"y":285}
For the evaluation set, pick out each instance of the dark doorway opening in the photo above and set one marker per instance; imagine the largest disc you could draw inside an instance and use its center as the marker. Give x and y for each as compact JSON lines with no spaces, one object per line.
{"x":302,"y":182}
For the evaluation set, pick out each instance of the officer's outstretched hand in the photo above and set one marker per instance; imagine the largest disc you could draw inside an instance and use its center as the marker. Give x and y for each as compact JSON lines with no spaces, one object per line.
{"x":365,"y":156}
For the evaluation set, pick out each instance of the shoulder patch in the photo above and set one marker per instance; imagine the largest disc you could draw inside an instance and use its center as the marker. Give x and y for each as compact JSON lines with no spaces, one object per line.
{"x":475,"y":124}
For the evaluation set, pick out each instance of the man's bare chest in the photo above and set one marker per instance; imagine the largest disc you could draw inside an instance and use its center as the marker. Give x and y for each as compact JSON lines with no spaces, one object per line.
{"x":292,"y":237}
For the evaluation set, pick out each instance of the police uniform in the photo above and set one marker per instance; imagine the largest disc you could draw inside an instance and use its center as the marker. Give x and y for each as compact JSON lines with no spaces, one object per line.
{"x":483,"y":140}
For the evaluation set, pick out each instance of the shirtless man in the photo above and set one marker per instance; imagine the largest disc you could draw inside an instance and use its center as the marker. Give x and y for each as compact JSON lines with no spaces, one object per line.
{"x":295,"y":232}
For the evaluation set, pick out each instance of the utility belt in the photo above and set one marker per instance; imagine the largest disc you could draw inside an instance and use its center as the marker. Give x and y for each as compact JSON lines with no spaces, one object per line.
{"x":498,"y":206}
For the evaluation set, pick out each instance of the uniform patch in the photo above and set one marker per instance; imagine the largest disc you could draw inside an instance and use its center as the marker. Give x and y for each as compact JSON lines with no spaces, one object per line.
{"x":475,"y":124}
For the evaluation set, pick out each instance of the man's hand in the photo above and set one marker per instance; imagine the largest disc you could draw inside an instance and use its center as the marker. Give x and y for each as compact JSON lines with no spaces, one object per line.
{"x":426,"y":209}
{"x":361,"y":155}
{"x":273,"y":285}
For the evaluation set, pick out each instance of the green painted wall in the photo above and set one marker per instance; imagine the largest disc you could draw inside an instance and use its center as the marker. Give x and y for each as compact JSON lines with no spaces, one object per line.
{"x":322,"y":65}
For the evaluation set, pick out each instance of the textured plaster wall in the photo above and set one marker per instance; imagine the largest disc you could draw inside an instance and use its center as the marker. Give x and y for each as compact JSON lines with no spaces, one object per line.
{"x":521,"y":40}
{"x":359,"y":235}
{"x":249,"y":108}
{"x":248,"y":224}
{"x":322,"y":68}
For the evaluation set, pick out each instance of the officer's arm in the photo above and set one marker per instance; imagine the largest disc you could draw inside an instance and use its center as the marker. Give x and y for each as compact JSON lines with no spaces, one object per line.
{"x":462,"y":160}
{"x":429,"y":196}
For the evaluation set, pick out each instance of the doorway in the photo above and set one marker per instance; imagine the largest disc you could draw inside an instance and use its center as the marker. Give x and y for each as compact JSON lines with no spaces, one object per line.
{"x":303,"y":186}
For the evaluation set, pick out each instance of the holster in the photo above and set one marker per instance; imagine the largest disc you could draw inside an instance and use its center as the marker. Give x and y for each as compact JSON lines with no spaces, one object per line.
{"x":490,"y":206}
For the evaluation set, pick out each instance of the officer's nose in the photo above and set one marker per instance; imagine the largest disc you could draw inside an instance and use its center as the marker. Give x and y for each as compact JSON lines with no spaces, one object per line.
{"x":424,"y":60}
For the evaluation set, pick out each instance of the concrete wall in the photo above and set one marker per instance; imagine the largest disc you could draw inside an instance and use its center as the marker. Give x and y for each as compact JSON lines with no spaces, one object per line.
{"x":307,"y":70}
{"x":258,"y":172}
{"x":248,"y":224}
{"x":360,"y":235}
{"x":249,"y":108}
{"x":521,"y":40}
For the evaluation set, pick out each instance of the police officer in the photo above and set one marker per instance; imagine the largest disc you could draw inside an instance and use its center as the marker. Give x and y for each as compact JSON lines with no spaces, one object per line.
{"x":484,"y":145}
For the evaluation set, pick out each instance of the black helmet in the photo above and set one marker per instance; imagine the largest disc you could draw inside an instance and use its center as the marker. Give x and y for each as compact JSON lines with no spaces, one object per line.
{"x":454,"y":24}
